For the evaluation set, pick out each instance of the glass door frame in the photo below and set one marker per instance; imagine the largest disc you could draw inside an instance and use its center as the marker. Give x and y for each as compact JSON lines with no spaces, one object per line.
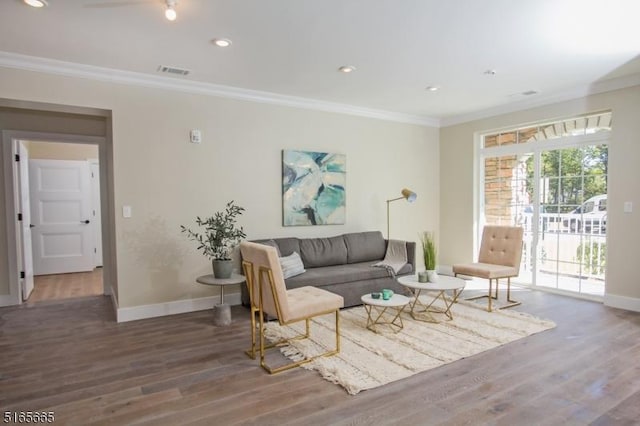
{"x":535,"y":148}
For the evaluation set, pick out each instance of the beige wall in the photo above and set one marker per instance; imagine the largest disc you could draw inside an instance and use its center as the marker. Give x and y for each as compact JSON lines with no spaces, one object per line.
{"x":457,"y":164}
{"x":169,"y":181}
{"x":61,"y":151}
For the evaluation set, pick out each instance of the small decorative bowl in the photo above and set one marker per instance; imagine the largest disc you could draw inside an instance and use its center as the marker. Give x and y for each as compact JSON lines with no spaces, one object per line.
{"x":375,"y":295}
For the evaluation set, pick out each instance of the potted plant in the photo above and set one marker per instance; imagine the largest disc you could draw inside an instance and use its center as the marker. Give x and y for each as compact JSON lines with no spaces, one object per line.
{"x":219,"y":238}
{"x":429,"y":251}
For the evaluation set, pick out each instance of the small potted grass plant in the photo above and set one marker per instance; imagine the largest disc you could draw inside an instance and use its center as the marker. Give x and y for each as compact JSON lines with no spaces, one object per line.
{"x":219,"y":238}
{"x":430,"y":252}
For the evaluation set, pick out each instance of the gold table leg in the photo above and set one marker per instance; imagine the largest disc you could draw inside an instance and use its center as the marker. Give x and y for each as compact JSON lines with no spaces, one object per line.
{"x":395,"y":324}
{"x":428,"y":309}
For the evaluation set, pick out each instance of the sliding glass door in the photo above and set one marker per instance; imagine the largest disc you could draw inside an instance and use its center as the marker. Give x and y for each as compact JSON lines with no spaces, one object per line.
{"x":572,"y":252}
{"x":556,"y":188}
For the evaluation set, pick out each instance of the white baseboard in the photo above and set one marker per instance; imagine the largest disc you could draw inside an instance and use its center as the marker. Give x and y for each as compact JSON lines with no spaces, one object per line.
{"x":622,"y":302}
{"x":171,"y":308}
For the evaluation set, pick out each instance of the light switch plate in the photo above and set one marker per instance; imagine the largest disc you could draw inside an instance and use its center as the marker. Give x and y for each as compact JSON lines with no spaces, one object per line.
{"x":196,"y":136}
{"x":628,"y":206}
{"x":126,"y":211}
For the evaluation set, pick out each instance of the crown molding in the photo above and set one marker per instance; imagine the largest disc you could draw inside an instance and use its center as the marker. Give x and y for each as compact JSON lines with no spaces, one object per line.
{"x":566,"y":95}
{"x":71,"y":69}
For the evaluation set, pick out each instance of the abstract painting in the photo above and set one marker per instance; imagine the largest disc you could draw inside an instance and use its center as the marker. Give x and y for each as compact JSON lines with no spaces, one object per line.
{"x":313,"y":188}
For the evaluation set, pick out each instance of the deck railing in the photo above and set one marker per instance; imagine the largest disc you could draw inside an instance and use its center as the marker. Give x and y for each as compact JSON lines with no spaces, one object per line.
{"x":569,"y":244}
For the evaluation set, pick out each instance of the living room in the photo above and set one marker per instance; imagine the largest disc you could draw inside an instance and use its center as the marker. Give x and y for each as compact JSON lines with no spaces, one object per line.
{"x":150,"y":165}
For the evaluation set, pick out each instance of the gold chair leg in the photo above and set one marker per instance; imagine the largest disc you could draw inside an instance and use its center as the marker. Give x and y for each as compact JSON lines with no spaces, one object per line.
{"x":289,"y":366}
{"x":252,"y":351}
{"x":338,"y":331}
{"x":511,"y":303}
{"x":262,"y":348}
{"x":488,"y":296}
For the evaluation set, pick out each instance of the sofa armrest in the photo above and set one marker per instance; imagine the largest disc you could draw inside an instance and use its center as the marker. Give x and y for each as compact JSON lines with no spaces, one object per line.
{"x":411,"y":255}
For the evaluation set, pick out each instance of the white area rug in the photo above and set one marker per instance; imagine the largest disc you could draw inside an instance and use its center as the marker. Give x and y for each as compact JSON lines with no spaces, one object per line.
{"x":368,"y":360}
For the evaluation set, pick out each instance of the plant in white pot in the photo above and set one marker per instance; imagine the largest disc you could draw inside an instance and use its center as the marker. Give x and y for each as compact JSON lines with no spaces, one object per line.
{"x":430,"y":252}
{"x":219,"y":238}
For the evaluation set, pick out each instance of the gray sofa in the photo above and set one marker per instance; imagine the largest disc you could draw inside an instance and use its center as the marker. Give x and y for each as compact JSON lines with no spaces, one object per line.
{"x":342,"y":264}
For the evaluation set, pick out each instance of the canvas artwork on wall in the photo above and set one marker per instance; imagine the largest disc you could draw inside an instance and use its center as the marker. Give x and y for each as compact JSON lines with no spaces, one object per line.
{"x":313,"y":188}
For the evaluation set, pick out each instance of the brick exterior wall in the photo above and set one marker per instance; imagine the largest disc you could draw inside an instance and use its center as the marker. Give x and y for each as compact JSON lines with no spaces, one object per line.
{"x":505,"y":177}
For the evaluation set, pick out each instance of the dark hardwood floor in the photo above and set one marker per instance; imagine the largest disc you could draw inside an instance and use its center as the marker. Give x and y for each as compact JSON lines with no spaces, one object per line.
{"x":71,"y":357}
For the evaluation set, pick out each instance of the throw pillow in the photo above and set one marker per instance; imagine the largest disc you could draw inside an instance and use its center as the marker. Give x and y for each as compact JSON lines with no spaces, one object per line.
{"x":291,"y":265}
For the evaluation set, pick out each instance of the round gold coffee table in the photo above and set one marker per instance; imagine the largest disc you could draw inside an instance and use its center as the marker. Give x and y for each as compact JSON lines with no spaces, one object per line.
{"x":445,"y":283}
{"x":385,"y":312}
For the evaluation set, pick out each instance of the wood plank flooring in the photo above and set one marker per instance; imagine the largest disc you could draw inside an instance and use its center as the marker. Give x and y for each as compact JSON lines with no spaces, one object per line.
{"x":66,"y":286}
{"x":71,"y":357}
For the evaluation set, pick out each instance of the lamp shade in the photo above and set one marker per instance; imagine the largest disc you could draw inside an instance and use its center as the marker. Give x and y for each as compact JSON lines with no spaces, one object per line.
{"x":409,"y":195}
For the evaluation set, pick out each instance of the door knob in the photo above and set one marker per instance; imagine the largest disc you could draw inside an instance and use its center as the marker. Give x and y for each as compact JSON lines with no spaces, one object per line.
{"x":32,"y":225}
{"x":86,"y":222}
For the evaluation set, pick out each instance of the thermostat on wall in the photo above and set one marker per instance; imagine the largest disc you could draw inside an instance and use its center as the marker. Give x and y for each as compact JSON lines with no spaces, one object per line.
{"x":196,"y":136}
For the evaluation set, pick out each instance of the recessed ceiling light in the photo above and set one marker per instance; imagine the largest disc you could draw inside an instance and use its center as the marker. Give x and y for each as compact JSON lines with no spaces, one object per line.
{"x":347,"y":69}
{"x":432,"y":88}
{"x":170,"y":12}
{"x":37,"y":3}
{"x":221,"y":42}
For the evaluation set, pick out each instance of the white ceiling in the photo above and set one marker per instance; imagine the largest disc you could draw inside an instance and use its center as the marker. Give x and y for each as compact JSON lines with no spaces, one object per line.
{"x":294,"y":47}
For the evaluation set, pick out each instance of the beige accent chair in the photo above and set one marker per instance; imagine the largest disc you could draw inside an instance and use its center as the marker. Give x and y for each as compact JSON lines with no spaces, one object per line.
{"x":270,"y":297}
{"x":499,"y":257}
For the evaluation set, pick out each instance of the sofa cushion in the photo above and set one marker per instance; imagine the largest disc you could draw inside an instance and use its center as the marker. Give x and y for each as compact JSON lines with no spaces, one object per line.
{"x":291,"y":265}
{"x":288,"y":245}
{"x":270,"y":243}
{"x":339,"y":274}
{"x":364,"y":246}
{"x":316,"y":252}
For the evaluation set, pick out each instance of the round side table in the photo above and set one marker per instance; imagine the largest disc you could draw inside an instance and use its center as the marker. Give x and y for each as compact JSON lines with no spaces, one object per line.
{"x":221,"y":311}
{"x":377,"y":311}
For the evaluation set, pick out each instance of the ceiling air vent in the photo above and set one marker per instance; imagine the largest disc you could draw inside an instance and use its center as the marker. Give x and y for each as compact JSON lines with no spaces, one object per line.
{"x":173,"y":70}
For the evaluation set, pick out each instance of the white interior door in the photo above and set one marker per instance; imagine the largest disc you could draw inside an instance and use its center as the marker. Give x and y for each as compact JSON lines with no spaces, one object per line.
{"x":26,"y":253}
{"x":61,"y":212}
{"x":96,"y":222}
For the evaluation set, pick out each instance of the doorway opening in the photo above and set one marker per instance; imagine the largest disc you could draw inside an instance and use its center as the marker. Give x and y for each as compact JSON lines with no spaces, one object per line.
{"x":58,"y":191}
{"x":52,"y":123}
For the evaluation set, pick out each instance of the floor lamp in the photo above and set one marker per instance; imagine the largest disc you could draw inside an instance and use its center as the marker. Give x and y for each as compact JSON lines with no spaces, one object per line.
{"x":408,"y":195}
